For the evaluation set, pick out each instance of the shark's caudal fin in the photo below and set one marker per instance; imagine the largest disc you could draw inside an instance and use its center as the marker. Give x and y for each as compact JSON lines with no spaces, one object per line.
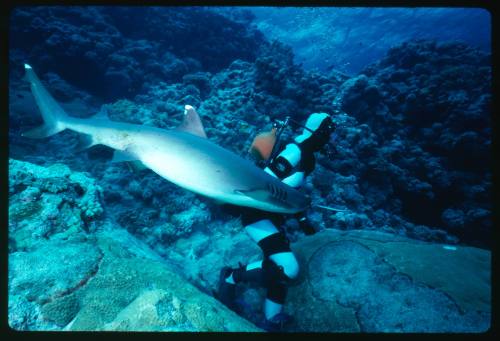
{"x":192,"y":122}
{"x":53,"y":115}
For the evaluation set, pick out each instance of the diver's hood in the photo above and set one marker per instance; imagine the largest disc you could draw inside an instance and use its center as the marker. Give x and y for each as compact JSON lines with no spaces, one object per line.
{"x":316,"y":132}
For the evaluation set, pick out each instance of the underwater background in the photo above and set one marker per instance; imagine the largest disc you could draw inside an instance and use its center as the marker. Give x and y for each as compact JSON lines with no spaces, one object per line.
{"x":95,"y":245}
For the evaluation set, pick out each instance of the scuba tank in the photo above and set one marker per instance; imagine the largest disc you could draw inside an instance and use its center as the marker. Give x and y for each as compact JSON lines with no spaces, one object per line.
{"x":265,"y":145}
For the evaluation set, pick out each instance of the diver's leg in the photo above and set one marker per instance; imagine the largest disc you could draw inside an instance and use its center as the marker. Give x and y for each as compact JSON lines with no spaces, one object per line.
{"x":278,"y":267}
{"x":252,"y":272}
{"x":259,"y":228}
{"x":258,"y":225}
{"x":278,"y":271}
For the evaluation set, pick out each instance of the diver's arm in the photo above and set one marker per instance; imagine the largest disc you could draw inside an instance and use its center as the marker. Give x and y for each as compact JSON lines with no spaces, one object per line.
{"x":284,"y":163}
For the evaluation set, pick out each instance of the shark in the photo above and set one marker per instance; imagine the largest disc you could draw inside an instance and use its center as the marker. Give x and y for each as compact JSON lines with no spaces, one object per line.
{"x":183,"y":156}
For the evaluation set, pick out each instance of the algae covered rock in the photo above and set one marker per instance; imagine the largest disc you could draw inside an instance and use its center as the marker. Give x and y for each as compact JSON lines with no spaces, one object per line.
{"x":365,"y":281}
{"x":99,"y":278}
{"x":110,"y":282}
{"x":49,"y":274}
{"x":46,"y":202}
{"x":133,"y":290}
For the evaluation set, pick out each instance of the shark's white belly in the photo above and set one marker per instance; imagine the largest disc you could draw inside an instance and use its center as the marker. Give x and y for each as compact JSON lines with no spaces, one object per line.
{"x":177,"y":169}
{"x":189,"y":168}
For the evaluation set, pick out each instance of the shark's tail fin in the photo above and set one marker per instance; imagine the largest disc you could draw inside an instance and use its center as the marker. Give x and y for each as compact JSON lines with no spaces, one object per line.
{"x":53,"y":115}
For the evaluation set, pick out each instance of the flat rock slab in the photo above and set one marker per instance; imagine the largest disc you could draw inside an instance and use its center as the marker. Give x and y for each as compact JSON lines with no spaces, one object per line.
{"x":53,"y":270}
{"x":369,"y":281}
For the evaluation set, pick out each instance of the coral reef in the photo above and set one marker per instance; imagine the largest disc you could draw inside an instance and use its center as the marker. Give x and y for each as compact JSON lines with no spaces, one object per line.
{"x":49,"y":202}
{"x":387,"y":166}
{"x":112,"y":52}
{"x":426,"y":106}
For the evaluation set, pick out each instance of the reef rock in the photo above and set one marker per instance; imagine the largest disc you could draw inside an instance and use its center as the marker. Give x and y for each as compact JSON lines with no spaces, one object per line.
{"x":76,"y":278}
{"x":121,"y":48}
{"x":49,"y":202}
{"x":366,"y":281}
{"x":133,"y":290}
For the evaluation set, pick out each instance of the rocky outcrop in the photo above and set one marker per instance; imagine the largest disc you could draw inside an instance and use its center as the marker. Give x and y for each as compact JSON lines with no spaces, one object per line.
{"x":365,"y":281}
{"x":48,"y":202}
{"x":110,"y":282}
{"x":356,"y":281}
{"x":138,"y":293}
{"x":76,"y":278}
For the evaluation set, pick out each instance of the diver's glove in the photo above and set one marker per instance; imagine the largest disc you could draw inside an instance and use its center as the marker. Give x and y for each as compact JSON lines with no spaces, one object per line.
{"x":306,"y":226}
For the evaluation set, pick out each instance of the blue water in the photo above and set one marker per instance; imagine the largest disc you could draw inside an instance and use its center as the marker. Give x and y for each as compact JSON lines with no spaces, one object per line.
{"x":349,"y":38}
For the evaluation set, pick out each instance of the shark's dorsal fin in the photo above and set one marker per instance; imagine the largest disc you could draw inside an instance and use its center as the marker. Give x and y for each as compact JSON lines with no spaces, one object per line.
{"x":101,"y":115}
{"x":192,"y":122}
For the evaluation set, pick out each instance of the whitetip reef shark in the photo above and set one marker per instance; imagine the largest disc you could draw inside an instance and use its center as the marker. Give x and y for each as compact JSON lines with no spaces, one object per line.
{"x":183,"y":156}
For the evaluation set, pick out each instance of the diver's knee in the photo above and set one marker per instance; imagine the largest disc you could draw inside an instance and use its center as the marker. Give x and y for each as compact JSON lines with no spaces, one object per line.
{"x":288,"y":262}
{"x":291,"y":269}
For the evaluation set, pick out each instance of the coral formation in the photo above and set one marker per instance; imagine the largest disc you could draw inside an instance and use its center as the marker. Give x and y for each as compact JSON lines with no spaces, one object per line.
{"x":49,"y":202}
{"x":114,"y":51}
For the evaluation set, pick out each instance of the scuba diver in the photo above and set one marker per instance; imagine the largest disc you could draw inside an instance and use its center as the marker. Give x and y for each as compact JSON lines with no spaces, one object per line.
{"x":291,"y":163}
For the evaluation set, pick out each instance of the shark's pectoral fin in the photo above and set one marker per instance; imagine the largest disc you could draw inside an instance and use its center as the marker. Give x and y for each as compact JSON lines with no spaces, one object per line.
{"x":192,"y":122}
{"x":136,"y":166}
{"x":121,"y":156}
{"x":84,"y":141}
{"x":42,"y":131}
{"x":133,"y":163}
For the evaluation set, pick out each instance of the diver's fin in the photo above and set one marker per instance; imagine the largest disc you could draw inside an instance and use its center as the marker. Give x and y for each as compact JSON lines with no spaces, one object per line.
{"x":84,"y":141}
{"x":42,"y":131}
{"x":121,"y":156}
{"x":136,"y":166}
{"x":263,"y":143}
{"x":192,"y":122}
{"x":53,"y":115}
